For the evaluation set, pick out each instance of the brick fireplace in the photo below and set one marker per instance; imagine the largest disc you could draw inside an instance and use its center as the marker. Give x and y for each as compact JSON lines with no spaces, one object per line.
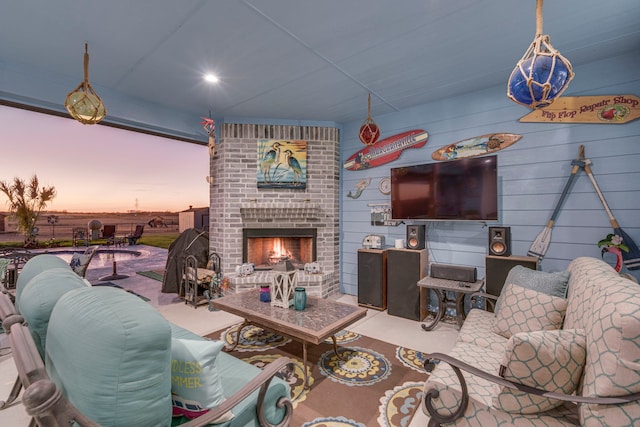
{"x":238,"y":205}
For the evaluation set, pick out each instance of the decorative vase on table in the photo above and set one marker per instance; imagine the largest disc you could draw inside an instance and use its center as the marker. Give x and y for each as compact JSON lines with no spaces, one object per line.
{"x":300,"y":299}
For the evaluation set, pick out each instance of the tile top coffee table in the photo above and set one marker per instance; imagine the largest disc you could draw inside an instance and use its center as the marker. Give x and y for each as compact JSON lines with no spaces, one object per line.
{"x":322,"y":318}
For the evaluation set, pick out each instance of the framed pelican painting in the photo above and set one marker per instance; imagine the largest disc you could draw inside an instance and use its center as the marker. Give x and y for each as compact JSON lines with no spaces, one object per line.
{"x":282,"y":164}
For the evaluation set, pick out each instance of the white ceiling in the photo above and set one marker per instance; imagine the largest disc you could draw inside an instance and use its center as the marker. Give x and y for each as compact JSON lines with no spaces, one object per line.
{"x":302,"y":59}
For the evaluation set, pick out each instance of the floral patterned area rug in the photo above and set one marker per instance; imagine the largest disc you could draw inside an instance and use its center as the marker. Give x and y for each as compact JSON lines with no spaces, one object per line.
{"x":372,"y":382}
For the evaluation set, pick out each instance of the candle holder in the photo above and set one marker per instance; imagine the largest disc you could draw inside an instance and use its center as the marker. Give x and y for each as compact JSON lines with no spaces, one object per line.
{"x":285,"y":278}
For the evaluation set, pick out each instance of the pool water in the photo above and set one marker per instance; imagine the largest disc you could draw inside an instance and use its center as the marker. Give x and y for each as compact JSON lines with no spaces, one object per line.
{"x":102,"y":258}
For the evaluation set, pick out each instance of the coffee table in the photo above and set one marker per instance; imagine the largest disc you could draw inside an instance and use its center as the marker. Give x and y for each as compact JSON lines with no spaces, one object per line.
{"x":322,"y":318}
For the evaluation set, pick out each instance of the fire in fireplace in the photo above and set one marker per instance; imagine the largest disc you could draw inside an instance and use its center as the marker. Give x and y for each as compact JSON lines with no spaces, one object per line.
{"x":265,"y":247}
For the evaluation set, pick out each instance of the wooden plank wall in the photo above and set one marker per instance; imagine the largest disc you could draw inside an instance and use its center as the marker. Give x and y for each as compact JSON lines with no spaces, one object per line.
{"x":532,"y":173}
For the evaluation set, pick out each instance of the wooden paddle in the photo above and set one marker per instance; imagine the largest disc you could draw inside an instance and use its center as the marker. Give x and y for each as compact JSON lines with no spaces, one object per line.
{"x":631,"y":258}
{"x":541,"y":243}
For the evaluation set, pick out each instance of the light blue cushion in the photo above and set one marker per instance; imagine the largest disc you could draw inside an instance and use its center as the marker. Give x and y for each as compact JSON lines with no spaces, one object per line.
{"x":33,"y":267}
{"x":39,"y":297}
{"x":110,"y":353}
{"x":554,"y":284}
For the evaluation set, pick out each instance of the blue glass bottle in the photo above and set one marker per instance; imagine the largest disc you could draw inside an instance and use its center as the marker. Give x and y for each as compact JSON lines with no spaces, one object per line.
{"x":300,"y":299}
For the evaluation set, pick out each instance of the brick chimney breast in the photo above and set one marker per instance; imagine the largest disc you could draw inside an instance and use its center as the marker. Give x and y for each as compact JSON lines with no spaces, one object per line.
{"x":236,"y":202}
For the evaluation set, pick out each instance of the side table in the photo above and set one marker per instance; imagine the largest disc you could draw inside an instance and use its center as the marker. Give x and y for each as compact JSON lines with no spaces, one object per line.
{"x":440,"y":288}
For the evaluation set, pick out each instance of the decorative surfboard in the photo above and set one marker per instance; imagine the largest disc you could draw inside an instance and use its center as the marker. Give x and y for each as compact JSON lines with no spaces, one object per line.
{"x":476,"y":146}
{"x":386,"y":150}
{"x":605,"y":109}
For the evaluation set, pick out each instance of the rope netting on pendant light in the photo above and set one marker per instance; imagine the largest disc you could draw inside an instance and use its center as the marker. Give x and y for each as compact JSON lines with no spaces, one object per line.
{"x":369,"y":130}
{"x":542,"y":74}
{"x":83,"y":103}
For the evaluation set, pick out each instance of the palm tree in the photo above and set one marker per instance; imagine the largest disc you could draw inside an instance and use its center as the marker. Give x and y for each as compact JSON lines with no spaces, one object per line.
{"x":26,"y":201}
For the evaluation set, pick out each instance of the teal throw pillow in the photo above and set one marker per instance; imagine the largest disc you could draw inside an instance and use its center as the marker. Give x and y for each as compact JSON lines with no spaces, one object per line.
{"x":195,"y":381}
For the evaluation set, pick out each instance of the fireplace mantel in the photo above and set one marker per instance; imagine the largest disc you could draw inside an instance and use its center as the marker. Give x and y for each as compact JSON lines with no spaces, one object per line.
{"x":260,"y":210}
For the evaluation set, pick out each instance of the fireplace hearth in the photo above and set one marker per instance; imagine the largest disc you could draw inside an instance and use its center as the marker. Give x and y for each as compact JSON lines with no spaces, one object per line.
{"x":265,"y":247}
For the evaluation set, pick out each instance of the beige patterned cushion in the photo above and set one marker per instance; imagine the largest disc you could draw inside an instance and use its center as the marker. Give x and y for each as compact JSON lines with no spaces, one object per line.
{"x":480,"y":412}
{"x":476,"y":330}
{"x":526,"y":310}
{"x":547,"y":360}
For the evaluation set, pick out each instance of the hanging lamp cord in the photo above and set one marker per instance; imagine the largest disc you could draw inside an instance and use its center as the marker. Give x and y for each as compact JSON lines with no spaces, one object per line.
{"x":539,"y":18}
{"x":86,"y":65}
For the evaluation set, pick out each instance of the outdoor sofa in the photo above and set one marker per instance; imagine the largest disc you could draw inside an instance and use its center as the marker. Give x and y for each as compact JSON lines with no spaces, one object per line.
{"x":541,"y":359}
{"x":102,"y":356}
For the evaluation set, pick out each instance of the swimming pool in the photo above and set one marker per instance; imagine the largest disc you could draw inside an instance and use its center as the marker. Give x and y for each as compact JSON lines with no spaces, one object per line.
{"x":103,"y":257}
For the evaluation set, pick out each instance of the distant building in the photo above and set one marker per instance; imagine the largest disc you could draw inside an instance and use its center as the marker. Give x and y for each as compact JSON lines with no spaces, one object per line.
{"x":193,"y":218}
{"x":3,"y":223}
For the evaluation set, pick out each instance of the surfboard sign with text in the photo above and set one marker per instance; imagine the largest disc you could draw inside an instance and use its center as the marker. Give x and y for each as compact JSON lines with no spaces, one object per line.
{"x":476,"y":146}
{"x":606,"y":109}
{"x":386,"y":150}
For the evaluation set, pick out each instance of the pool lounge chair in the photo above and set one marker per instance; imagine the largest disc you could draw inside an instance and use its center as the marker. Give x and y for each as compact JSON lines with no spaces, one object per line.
{"x":109,"y":233}
{"x":133,"y":238}
{"x":80,"y":236}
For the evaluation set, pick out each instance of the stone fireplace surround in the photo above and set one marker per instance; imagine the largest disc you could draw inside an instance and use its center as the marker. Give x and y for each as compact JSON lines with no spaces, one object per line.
{"x":236,"y":203}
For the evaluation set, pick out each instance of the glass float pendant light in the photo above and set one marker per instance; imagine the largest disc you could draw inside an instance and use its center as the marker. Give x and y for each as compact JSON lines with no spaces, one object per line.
{"x":83,"y":103}
{"x":542,"y":74}
{"x":369,"y":130}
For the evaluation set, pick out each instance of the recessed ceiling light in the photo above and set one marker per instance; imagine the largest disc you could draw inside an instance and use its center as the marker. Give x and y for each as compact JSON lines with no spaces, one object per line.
{"x":211,"y":78}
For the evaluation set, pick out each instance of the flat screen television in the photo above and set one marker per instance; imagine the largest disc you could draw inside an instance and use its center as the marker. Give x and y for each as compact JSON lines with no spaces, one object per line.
{"x":457,"y":190}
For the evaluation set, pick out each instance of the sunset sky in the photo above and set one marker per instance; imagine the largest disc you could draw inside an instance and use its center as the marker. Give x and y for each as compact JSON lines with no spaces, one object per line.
{"x":99,"y":168}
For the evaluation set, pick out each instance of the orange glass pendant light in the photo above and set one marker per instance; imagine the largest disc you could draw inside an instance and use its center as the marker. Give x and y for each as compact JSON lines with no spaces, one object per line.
{"x":542,"y":74}
{"x":83,"y":103}
{"x":369,"y":130}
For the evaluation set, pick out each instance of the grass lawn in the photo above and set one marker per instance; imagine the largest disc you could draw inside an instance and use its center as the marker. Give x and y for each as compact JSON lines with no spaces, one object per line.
{"x":159,"y":241}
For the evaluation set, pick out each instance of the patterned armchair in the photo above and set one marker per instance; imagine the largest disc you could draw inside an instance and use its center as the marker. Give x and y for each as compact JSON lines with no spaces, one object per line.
{"x":580,"y":371}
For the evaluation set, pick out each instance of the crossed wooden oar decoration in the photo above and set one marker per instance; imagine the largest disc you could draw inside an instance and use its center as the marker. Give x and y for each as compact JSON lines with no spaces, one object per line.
{"x":541,"y":243}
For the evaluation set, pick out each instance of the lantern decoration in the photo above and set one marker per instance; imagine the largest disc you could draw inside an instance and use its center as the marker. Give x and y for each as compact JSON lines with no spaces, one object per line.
{"x":83,"y":103}
{"x":542,"y":74}
{"x":283,"y":282}
{"x":369,"y":130}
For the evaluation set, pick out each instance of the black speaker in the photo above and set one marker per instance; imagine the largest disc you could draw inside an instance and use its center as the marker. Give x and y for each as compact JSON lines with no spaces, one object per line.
{"x":497,"y":268}
{"x":415,"y":236}
{"x":454,"y":272}
{"x":372,"y":278}
{"x":404,"y":269}
{"x":500,"y":241}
